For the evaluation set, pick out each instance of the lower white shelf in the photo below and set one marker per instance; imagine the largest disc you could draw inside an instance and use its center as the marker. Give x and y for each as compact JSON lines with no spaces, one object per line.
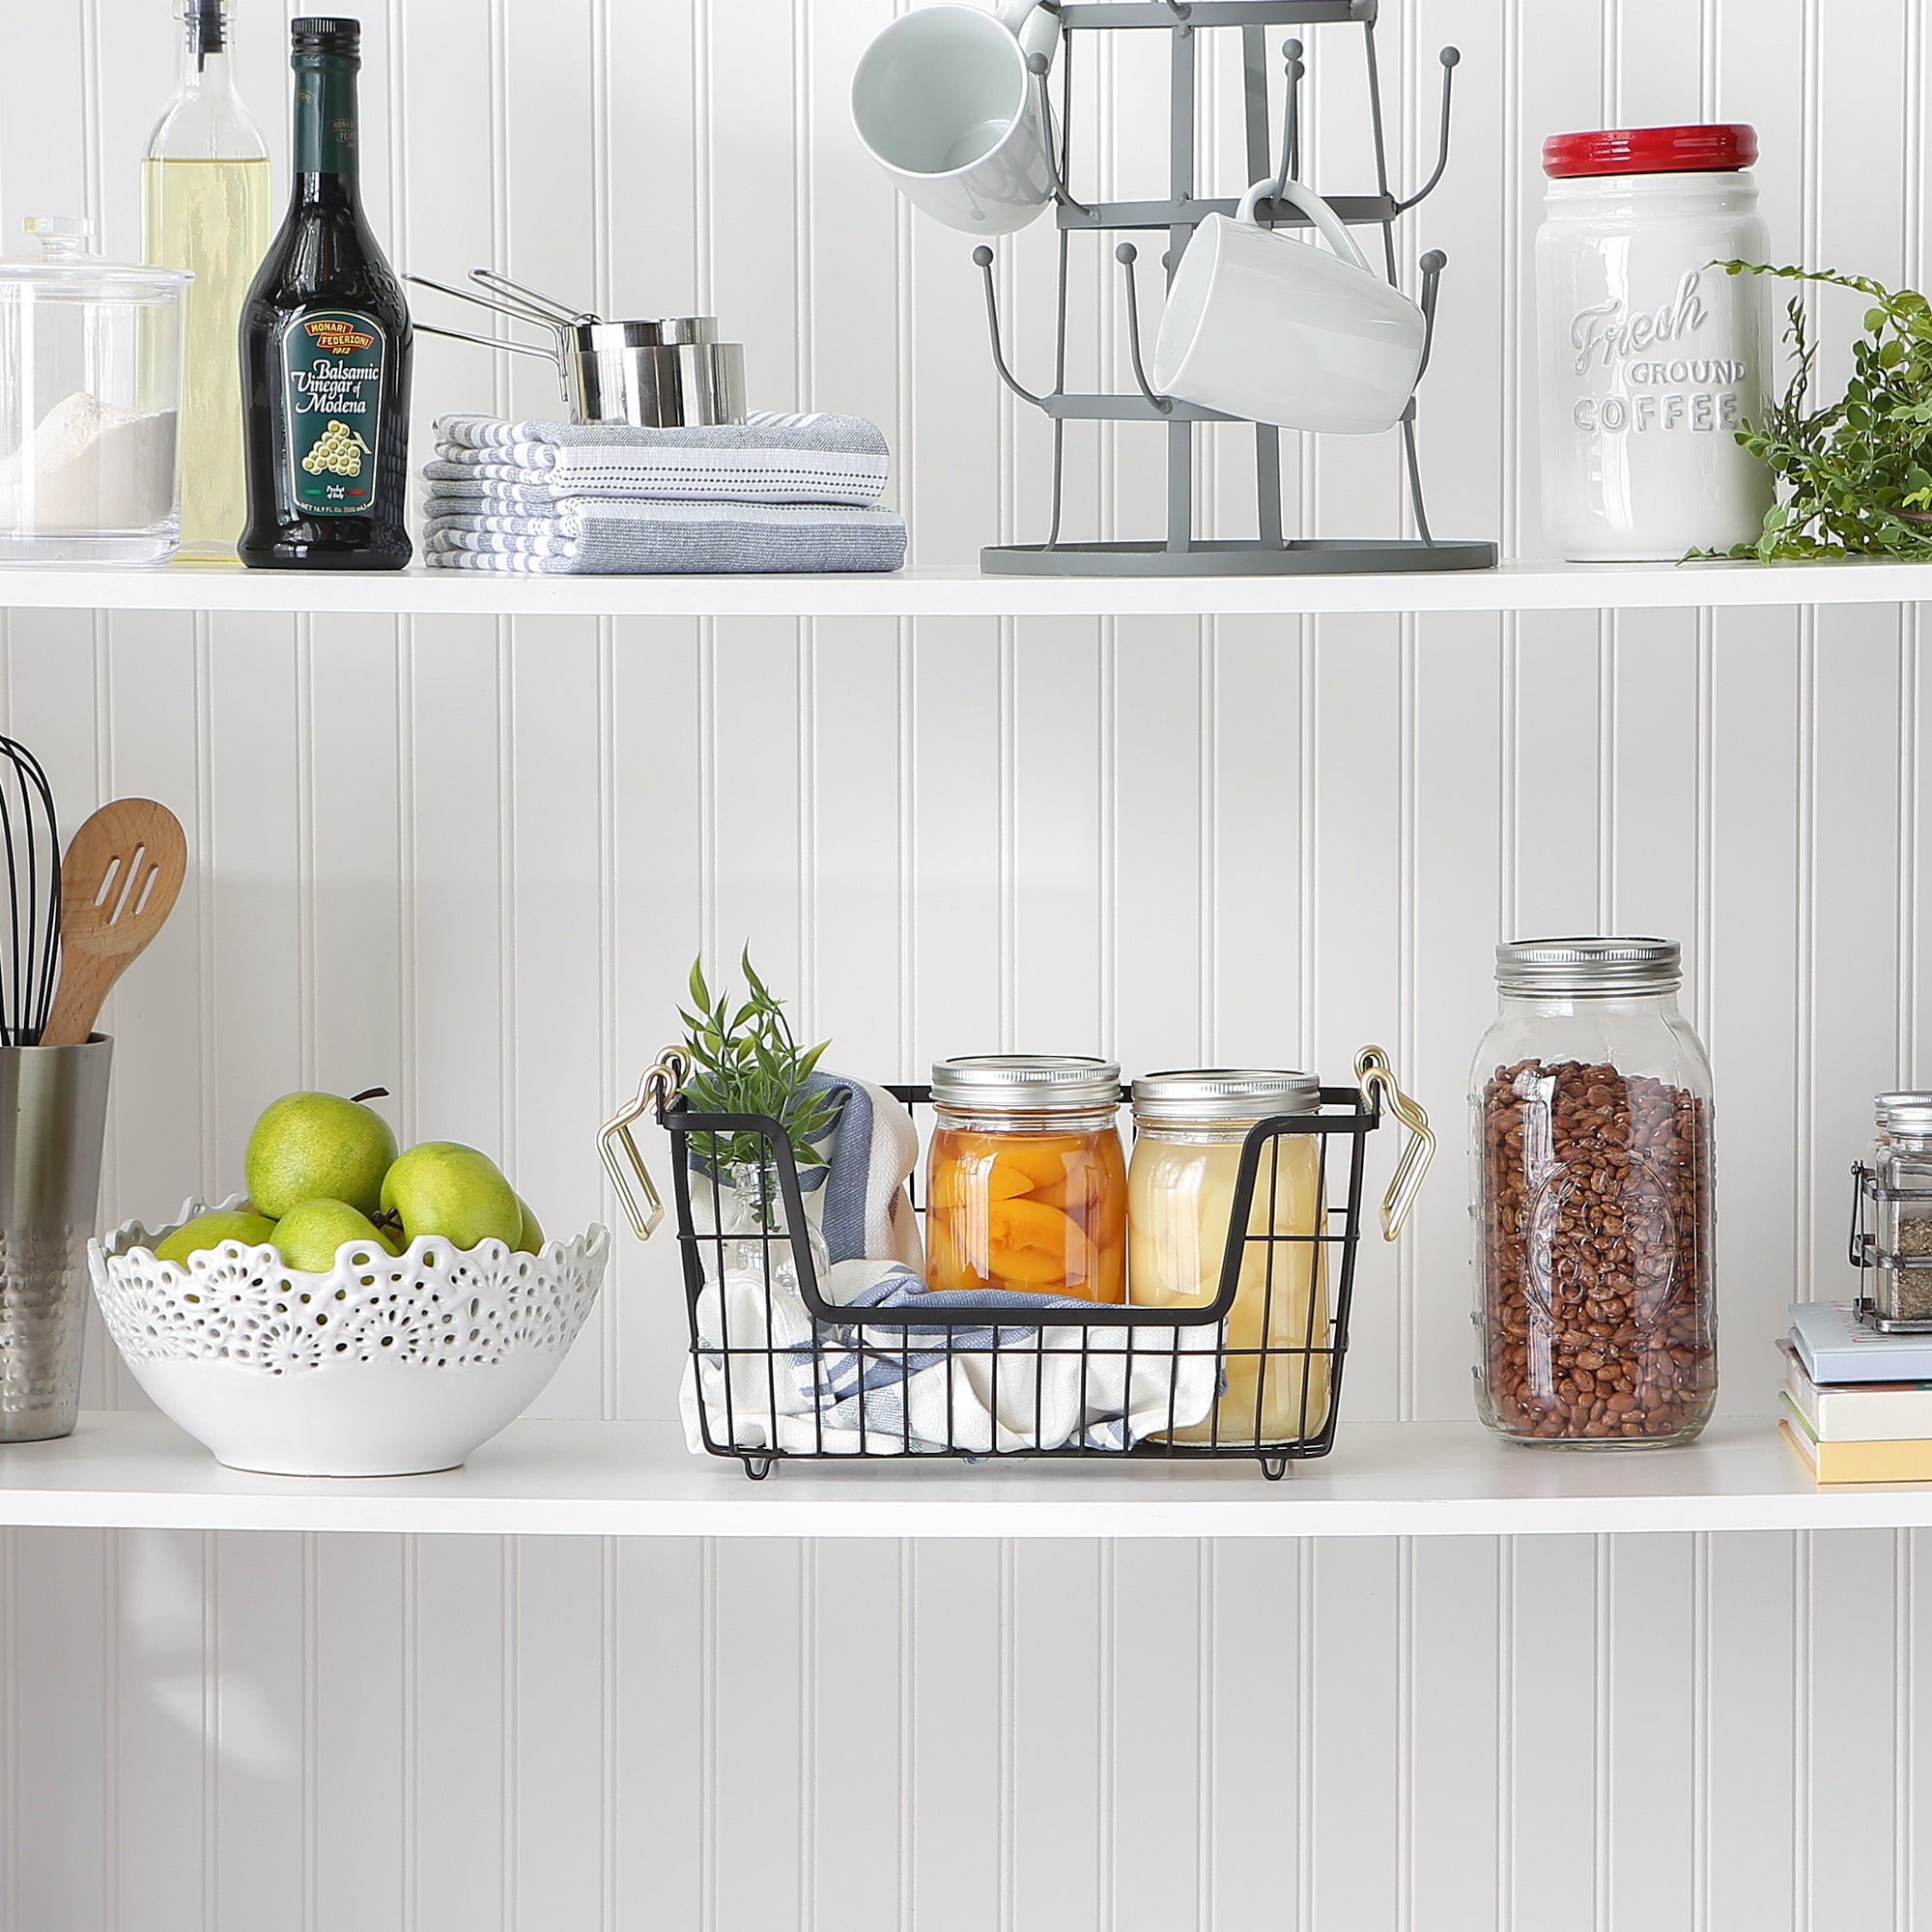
{"x":136,"y":1471}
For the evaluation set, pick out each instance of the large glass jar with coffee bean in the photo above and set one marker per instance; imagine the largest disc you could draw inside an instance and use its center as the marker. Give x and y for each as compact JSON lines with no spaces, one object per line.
{"x":1595,"y":1293}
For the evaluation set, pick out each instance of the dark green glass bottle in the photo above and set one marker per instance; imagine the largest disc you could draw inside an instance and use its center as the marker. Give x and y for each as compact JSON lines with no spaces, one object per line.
{"x":326,"y":347}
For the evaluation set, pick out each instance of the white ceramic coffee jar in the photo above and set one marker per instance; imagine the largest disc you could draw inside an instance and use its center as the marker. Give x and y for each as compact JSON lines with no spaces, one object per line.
{"x":1651,"y":358}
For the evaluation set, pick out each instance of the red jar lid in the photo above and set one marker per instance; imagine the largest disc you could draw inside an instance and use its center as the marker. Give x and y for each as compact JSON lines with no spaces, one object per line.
{"x":1650,"y":150}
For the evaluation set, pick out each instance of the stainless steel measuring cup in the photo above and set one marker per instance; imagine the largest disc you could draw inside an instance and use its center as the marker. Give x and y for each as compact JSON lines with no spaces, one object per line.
{"x":667,"y":373}
{"x":53,"y":1118}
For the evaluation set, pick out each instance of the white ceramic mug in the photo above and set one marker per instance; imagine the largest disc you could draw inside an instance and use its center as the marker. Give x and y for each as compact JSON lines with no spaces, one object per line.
{"x":1266,"y":327}
{"x":946,"y":104}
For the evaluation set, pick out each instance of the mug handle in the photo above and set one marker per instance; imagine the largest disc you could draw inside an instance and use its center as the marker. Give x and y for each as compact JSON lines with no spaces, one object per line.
{"x":1034,"y":23}
{"x":1317,"y":211}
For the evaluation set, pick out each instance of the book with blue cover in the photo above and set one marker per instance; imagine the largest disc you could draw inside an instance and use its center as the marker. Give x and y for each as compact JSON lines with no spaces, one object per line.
{"x":1836,"y":1346}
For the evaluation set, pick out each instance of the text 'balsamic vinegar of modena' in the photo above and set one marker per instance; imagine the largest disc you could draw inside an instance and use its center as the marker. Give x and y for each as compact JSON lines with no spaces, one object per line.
{"x":326,"y":347}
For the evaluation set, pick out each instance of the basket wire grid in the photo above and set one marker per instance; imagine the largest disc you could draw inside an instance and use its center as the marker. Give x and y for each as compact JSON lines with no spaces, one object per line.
{"x":1023,"y":1341}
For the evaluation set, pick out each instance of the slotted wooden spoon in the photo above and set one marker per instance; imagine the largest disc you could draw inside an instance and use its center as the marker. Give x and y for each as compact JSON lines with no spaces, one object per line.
{"x":119,"y":882}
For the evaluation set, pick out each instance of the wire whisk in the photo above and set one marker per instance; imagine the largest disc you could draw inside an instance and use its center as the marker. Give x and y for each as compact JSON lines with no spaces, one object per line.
{"x":30,"y":956}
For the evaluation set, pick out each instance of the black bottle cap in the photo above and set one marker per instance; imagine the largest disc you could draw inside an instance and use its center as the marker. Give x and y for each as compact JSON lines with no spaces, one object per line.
{"x":326,"y":33}
{"x":210,"y":19}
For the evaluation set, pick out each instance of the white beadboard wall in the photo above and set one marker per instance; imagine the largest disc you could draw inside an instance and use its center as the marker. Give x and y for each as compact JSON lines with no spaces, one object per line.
{"x":472,"y":860}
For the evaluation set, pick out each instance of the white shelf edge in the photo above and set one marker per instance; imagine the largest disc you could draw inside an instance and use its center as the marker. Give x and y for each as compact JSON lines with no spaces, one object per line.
{"x":964,"y":593}
{"x":136,"y":1471}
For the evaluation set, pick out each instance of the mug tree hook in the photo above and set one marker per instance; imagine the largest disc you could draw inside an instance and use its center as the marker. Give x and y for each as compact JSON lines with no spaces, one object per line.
{"x":1431,"y":266}
{"x":1291,"y":126}
{"x":1127,"y":254}
{"x":1449,"y":57}
{"x":983,"y":260}
{"x":1037,"y":65}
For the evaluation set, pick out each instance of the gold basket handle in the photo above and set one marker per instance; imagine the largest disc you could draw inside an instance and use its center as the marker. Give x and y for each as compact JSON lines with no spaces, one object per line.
{"x":619,"y":1148}
{"x":1375,"y":1078}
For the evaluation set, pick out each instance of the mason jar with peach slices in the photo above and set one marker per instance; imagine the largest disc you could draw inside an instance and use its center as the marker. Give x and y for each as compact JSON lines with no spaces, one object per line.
{"x":1026,"y":1181}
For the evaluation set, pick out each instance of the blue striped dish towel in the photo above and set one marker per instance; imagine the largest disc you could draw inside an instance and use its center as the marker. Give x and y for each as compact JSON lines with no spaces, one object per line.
{"x":767,"y":459}
{"x":617,"y":537}
{"x":773,"y":494}
{"x":767,"y":1375}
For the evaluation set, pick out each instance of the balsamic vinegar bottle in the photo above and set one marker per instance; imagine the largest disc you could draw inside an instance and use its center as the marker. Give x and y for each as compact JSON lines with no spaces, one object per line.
{"x":326,"y":347}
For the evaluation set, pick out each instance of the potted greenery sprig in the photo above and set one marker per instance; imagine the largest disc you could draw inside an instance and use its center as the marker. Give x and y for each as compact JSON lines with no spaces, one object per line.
{"x":1854,"y":478}
{"x":746,"y":1060}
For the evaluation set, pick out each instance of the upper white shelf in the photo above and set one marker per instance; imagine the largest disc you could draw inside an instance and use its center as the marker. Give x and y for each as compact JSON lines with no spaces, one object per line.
{"x":963,"y":591}
{"x":126,"y":1472}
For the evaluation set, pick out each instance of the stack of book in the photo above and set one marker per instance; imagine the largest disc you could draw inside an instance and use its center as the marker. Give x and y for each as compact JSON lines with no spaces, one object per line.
{"x":1857,"y":1406}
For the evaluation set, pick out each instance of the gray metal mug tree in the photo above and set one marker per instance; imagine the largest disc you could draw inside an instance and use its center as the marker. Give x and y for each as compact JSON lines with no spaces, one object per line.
{"x":1181,"y":553}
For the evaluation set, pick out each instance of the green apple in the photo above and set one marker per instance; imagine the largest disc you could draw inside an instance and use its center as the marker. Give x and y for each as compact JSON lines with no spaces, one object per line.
{"x":530,"y":1240}
{"x":210,"y":1230}
{"x":441,"y":1187}
{"x":312,"y":1233}
{"x":310,"y":1147}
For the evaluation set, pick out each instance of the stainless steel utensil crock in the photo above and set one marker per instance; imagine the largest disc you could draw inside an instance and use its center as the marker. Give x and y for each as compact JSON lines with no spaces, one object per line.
{"x":53,"y":1117}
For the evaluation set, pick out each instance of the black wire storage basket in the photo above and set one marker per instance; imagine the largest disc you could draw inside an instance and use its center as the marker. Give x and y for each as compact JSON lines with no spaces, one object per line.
{"x":780,"y":1372}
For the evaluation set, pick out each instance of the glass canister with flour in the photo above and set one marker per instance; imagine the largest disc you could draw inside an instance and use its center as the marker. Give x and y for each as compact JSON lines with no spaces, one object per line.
{"x":90,"y":397}
{"x":1652,"y":356}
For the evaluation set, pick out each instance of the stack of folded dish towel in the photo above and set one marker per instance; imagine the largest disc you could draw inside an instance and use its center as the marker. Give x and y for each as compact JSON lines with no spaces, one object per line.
{"x":554,"y":498}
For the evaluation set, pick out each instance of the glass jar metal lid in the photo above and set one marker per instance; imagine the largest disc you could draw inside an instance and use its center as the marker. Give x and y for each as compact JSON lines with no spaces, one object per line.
{"x":1223,"y":1094}
{"x":1025,"y":1083}
{"x":1590,"y":966}
{"x":1904,"y":1113}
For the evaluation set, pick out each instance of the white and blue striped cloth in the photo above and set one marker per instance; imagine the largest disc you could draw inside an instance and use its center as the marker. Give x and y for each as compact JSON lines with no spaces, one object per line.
{"x":774,"y":493}
{"x":767,"y":1376}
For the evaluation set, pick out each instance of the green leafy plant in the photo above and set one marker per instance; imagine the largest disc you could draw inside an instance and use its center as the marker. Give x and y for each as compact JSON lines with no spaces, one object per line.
{"x":745,"y":1060}
{"x":1855,"y":478}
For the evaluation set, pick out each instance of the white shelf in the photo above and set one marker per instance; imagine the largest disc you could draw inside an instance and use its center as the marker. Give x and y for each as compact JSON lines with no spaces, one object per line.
{"x":964,"y":593}
{"x":125,"y":1471}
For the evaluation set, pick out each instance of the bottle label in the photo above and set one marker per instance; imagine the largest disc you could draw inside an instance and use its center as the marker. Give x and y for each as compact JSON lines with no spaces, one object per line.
{"x":333,"y":386}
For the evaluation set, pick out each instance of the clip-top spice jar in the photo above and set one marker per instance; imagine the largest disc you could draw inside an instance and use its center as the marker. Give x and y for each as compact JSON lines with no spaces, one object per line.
{"x":1891,"y":1237}
{"x":1595,"y":1295}
{"x":1026,"y":1182}
{"x":1652,"y":357}
{"x":1275,"y":1341}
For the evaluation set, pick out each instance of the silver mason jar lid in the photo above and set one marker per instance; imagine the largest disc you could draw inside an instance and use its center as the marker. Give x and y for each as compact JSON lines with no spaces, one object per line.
{"x":1223,"y":1094}
{"x":1904,"y":1113}
{"x":1026,"y":1083}
{"x":1590,"y":966}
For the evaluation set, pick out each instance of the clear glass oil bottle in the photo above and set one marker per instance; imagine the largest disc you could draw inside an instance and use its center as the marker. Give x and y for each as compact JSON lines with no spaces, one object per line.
{"x":204,"y":207}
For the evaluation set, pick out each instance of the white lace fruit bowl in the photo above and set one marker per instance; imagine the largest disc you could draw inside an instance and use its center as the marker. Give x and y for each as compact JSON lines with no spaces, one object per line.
{"x":386,"y":1365}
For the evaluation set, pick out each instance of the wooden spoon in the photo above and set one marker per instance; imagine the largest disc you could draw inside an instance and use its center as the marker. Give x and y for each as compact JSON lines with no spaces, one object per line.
{"x":119,"y":882}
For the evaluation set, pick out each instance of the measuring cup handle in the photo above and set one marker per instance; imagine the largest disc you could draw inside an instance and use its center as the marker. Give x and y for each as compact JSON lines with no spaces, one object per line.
{"x":1318,"y":210}
{"x":487,"y":341}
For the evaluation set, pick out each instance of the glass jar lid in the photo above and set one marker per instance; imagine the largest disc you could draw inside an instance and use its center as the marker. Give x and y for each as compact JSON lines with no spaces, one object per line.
{"x":1590,"y":966}
{"x":64,"y":267}
{"x":1223,"y":1094}
{"x":1904,"y":1113}
{"x":1710,"y":148}
{"x":1025,"y":1083}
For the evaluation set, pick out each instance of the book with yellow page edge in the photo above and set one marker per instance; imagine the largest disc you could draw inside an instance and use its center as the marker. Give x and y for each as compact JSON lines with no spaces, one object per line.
{"x":1897,"y":1461}
{"x":1857,"y":1411}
